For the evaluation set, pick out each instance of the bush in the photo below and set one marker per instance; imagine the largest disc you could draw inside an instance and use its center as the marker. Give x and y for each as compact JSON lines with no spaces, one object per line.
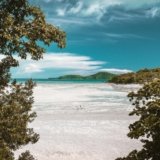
{"x":147,"y":128}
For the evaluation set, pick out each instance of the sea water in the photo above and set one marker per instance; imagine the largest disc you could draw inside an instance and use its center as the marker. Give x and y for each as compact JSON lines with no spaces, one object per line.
{"x":82,"y":121}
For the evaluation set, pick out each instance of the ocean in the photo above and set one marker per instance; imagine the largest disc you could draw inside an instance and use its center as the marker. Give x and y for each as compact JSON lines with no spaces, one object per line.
{"x":48,"y":81}
{"x":82,"y":120}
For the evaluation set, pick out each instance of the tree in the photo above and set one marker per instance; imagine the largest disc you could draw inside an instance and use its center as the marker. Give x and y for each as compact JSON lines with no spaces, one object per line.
{"x":22,"y":29}
{"x":147,"y":128}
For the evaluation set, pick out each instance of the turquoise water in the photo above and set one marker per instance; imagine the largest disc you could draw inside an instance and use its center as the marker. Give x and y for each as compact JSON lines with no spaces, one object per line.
{"x":47,"y":81}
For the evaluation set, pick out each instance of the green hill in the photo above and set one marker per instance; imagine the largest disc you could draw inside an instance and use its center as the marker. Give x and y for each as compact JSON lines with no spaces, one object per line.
{"x":104,"y":76}
{"x":141,"y":76}
{"x":71,"y":77}
{"x":101,"y":76}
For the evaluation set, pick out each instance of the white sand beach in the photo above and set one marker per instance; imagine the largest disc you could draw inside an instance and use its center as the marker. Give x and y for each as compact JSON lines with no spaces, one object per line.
{"x":82,"y":121}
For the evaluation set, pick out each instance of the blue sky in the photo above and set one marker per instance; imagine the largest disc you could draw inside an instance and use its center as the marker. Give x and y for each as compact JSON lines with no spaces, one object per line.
{"x":102,"y":35}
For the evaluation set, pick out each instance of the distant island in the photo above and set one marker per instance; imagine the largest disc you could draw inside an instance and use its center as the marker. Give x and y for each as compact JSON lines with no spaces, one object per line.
{"x":101,"y":76}
{"x":140,"y":77}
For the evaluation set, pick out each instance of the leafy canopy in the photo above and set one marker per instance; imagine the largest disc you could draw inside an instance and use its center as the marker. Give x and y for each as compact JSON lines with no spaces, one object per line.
{"x":147,"y":128}
{"x":22,"y":29}
{"x":140,"y":77}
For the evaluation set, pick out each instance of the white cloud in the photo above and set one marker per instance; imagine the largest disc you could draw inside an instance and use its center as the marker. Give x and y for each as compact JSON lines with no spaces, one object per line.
{"x":61,"y":12}
{"x":65,"y":22}
{"x":87,"y":8}
{"x":96,"y":8}
{"x":120,"y":36}
{"x":32,"y":68}
{"x":63,"y":61}
{"x":153,"y":12}
{"x":76,"y":9}
{"x":90,"y":12}
{"x":85,"y":12}
{"x":66,"y":63}
{"x":116,"y":70}
{"x":114,"y":35}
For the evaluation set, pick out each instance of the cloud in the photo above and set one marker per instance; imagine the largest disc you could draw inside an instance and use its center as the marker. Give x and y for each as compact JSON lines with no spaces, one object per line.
{"x":80,"y":14}
{"x":58,"y":61}
{"x":153,"y":12}
{"x":60,"y":12}
{"x":32,"y":68}
{"x":76,"y":9}
{"x":70,"y":9}
{"x":63,"y":22}
{"x":116,"y":71}
{"x":95,"y":10}
{"x":123,"y":36}
{"x":90,"y":8}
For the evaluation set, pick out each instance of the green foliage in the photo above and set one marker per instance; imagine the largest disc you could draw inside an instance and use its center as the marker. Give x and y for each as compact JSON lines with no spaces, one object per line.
{"x":26,"y":156}
{"x":142,"y":76}
{"x":101,"y":76}
{"x":98,"y":76}
{"x":70,"y":77}
{"x":22,"y":29}
{"x":147,"y":128}
{"x":22,"y":26}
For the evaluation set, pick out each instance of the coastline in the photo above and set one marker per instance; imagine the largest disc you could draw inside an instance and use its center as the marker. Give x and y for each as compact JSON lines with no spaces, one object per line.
{"x":96,"y":130}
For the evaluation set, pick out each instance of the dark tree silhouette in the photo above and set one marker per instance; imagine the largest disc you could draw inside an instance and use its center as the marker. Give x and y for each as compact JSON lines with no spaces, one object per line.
{"x":147,"y":128}
{"x":22,"y":29}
